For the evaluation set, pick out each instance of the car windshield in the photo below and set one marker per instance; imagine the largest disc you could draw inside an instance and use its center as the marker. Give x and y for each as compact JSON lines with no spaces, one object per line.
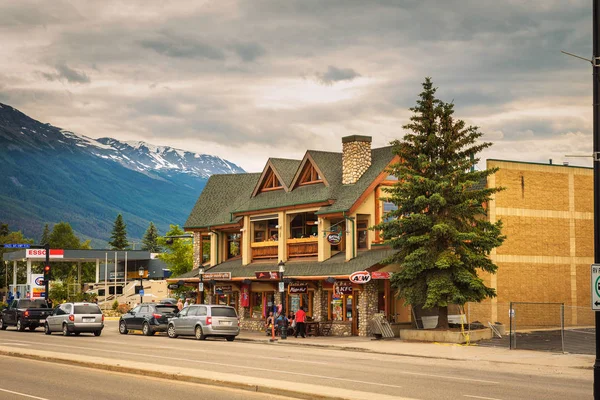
{"x":87,"y":309}
{"x":32,"y":304}
{"x":166,"y":309}
{"x":223,"y":312}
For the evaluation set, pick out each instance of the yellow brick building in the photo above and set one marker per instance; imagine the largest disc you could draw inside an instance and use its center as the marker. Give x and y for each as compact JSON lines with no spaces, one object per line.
{"x":547,"y":212}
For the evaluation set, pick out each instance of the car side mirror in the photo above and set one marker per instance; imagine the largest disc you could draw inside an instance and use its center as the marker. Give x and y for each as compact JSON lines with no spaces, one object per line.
{"x":131,"y":312}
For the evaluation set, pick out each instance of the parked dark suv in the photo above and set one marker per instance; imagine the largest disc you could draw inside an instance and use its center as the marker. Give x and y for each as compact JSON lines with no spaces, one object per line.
{"x":147,"y":317}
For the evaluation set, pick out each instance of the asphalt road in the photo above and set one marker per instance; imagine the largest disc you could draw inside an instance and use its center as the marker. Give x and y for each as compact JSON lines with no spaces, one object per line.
{"x":28,"y":379}
{"x":412,"y":377}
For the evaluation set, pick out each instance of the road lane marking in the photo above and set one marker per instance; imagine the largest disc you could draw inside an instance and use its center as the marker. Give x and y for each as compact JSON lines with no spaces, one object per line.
{"x":229,"y":365}
{"x":479,"y":397}
{"x":14,"y":344}
{"x":283,"y":372}
{"x":23,"y":394}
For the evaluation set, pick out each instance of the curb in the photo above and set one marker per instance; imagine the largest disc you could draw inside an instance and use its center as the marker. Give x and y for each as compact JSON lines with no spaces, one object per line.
{"x":273,"y":388}
{"x":363,"y":350}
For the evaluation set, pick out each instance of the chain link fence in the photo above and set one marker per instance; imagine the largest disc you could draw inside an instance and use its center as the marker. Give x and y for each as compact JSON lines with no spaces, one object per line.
{"x":552,"y":327}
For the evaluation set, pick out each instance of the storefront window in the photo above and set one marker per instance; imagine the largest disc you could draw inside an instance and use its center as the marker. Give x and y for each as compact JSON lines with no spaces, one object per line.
{"x":226,"y":300}
{"x":233,"y":245}
{"x":257,"y":305}
{"x":340,"y":307}
{"x":363,"y":234}
{"x":295,"y":301}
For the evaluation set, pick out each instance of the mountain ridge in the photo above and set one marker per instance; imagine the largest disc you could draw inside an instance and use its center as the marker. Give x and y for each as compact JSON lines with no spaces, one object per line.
{"x":49,"y":175}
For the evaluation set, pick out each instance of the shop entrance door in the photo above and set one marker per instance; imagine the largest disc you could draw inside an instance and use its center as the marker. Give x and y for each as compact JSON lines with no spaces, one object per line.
{"x":355,"y":319}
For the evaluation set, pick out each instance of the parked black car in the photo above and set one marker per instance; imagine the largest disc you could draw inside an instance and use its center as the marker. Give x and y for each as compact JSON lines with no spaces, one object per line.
{"x":25,"y":313}
{"x":147,"y":317}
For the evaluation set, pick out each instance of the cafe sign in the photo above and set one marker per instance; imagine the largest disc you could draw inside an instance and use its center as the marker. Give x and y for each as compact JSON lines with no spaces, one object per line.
{"x":223,"y":289}
{"x":341,"y":288}
{"x":380,"y":275}
{"x":297,"y":288}
{"x":360,"y":277}
{"x":267,"y":275}
{"x":217,"y":276}
{"x":334,"y":238}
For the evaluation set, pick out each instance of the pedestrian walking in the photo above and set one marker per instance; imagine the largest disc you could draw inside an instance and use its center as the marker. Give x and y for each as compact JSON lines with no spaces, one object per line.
{"x":179,"y":305}
{"x":300,"y":319}
{"x":186,"y":303}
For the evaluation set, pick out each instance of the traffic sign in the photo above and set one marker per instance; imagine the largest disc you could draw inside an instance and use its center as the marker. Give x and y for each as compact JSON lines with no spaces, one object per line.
{"x":282,"y":287}
{"x":17,"y":246}
{"x":595,"y":287}
{"x":142,"y":292}
{"x":201,"y":286}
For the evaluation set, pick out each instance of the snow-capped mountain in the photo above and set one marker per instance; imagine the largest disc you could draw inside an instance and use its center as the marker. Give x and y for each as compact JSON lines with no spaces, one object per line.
{"x":49,"y":175}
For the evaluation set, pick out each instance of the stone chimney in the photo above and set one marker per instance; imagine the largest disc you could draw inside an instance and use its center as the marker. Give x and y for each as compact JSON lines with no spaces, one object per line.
{"x":356,"y":157}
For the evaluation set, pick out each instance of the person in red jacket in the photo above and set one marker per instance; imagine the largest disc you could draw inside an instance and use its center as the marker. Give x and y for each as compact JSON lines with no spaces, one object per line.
{"x":300,"y":320}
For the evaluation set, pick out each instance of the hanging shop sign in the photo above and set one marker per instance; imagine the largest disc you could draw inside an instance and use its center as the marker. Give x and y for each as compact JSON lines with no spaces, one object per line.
{"x":380,"y":275}
{"x":223,"y":289}
{"x":267,"y":275}
{"x":297,"y":288}
{"x":360,"y":277}
{"x":341,"y":288}
{"x":334,"y":238}
{"x":217,"y":276}
{"x":173,"y":286}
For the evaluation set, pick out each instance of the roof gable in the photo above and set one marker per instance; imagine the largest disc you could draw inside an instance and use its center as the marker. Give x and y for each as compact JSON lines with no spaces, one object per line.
{"x":307,"y":166}
{"x":270,"y":179}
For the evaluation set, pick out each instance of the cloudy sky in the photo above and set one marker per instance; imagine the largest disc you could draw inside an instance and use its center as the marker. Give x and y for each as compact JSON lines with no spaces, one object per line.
{"x":248,"y":80}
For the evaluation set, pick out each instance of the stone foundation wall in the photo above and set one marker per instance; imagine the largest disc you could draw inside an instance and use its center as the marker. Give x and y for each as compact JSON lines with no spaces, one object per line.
{"x":341,"y":329}
{"x":318,"y":304}
{"x":252,"y":325}
{"x":197,"y":243}
{"x":367,"y":308}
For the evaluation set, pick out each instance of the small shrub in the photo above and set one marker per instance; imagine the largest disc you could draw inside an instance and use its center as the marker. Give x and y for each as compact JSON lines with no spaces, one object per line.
{"x":123,"y":308}
{"x":115,"y":305}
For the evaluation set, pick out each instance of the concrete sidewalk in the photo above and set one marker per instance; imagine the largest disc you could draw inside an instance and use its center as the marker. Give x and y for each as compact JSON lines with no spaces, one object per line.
{"x":431,"y":350}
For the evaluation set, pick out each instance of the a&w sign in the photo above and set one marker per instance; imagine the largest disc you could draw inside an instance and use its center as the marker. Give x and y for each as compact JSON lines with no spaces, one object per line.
{"x":360,"y":277}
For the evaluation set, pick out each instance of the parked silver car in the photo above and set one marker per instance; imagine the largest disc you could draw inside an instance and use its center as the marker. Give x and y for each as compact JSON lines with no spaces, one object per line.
{"x":75,"y":318}
{"x":203,"y":321}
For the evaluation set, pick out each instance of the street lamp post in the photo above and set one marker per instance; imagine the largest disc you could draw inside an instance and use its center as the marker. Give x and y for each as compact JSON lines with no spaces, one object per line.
{"x":141,"y":273}
{"x":282,"y":292}
{"x":201,"y":284}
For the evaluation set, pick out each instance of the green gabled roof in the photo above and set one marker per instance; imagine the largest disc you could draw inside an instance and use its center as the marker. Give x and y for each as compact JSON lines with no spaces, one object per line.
{"x":225,"y":195}
{"x":330,"y":164}
{"x":221,"y":195}
{"x":286,"y":168}
{"x":335,"y":266}
{"x":346,"y":195}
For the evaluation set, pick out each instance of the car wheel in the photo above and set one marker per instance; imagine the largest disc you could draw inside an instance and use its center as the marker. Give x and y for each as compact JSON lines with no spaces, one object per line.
{"x":171,"y":332}
{"x":47,"y":330}
{"x":65,"y":330}
{"x":123,"y":328}
{"x":230,"y":338}
{"x":97,"y":333}
{"x":147,"y":330}
{"x":199,"y":334}
{"x":2,"y":325}
{"x":20,"y":326}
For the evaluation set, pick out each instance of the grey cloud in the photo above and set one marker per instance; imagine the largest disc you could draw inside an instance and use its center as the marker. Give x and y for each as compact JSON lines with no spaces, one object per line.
{"x":181,"y":47}
{"x":334,"y":74}
{"x":63,"y":71}
{"x":249,"y":51}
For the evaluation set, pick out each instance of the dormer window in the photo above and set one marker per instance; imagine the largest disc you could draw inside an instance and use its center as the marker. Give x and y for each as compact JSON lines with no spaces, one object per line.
{"x":309,"y":175}
{"x":271,"y":182}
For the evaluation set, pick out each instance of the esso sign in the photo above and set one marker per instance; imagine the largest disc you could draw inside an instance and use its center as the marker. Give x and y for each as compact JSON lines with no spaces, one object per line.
{"x":360,"y":277}
{"x":39,"y":281}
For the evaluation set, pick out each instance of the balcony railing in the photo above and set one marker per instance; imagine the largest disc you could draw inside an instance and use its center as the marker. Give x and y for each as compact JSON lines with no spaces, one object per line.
{"x":304,"y":247}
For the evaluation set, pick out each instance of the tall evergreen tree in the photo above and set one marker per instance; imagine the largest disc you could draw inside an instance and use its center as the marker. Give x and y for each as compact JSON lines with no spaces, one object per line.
{"x":150,"y":239}
{"x":63,"y":237}
{"x":119,"y":235}
{"x":45,"y":235}
{"x":439,"y":230}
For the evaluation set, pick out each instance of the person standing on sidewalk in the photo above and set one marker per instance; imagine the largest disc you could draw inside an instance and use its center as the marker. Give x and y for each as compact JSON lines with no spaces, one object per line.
{"x":179,"y":304}
{"x":300,"y":318}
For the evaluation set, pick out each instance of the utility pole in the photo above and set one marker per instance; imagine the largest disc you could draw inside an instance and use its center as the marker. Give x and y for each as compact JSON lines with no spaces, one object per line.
{"x":596,"y":106}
